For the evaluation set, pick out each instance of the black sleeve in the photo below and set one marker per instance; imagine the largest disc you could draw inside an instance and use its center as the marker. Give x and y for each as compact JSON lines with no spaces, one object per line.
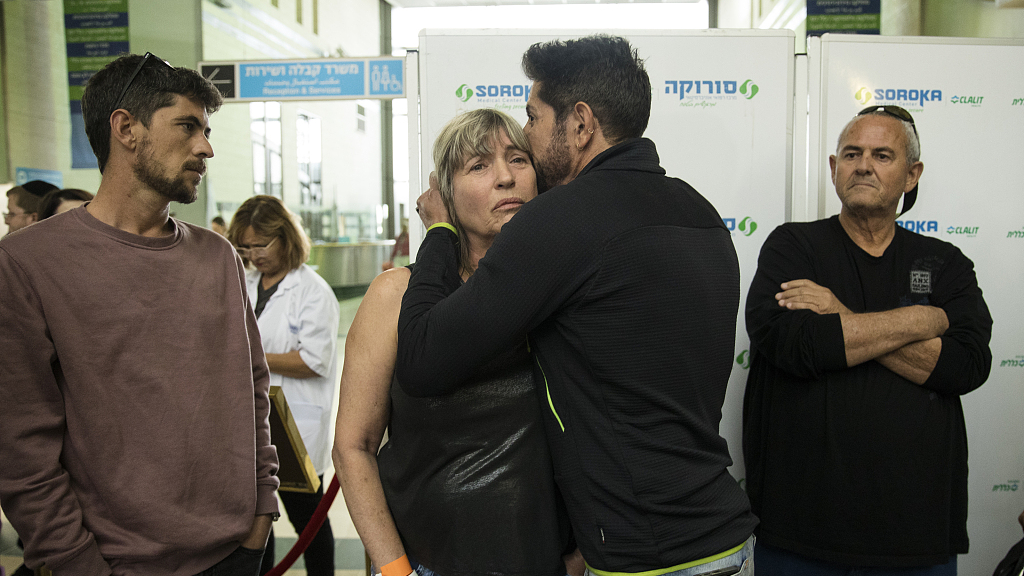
{"x":533,"y":268}
{"x":965,"y":360}
{"x":799,"y":342}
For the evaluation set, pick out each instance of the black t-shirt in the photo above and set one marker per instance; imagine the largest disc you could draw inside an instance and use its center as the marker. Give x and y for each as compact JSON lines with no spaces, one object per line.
{"x":858,"y":465}
{"x":263,"y":295}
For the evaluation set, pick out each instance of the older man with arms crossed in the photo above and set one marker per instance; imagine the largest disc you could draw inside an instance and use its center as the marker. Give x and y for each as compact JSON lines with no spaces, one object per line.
{"x":135,"y":439}
{"x":864,"y":336}
{"x":626,"y":283}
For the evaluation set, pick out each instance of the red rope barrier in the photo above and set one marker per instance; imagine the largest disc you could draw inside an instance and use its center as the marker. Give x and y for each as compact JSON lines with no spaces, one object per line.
{"x":315,"y":522}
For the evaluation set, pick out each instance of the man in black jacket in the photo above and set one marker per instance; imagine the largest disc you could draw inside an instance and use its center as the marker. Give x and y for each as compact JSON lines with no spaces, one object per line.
{"x":626,"y":283}
{"x":863,"y":337}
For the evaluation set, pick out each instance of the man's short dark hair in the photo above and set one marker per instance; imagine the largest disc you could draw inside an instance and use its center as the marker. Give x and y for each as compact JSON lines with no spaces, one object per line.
{"x":603,"y":71}
{"x":153,"y":88}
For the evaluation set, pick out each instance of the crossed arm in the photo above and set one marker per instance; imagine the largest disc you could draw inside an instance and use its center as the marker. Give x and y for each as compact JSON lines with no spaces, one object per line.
{"x":904,"y":340}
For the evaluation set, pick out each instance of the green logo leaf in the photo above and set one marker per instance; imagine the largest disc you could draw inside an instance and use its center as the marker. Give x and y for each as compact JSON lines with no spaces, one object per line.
{"x":863,"y":95}
{"x":744,"y":359}
{"x":752,"y":89}
{"x":746,"y":228}
{"x":464,"y":93}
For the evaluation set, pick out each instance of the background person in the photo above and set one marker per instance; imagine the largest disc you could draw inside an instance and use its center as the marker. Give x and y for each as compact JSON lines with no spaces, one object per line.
{"x":218,"y":225}
{"x":863,"y":337}
{"x":23,"y":204}
{"x":464,"y":485}
{"x":60,"y":201}
{"x":297,"y":314}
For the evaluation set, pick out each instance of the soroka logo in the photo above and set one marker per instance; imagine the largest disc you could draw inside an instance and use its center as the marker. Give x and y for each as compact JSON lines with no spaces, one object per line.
{"x":494,"y":93}
{"x":916,"y":96}
{"x":1017,"y":362}
{"x":968,"y":231}
{"x":1008,"y":486}
{"x":747,"y":225}
{"x":710,"y":88}
{"x":919,"y":226}
{"x":744,"y":359}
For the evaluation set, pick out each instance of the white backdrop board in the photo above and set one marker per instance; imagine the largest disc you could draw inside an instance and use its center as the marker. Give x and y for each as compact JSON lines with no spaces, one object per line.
{"x":721,"y":118}
{"x":967,"y":99}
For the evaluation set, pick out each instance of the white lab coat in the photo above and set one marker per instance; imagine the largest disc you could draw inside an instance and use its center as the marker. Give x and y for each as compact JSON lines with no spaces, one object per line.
{"x":303,"y":315}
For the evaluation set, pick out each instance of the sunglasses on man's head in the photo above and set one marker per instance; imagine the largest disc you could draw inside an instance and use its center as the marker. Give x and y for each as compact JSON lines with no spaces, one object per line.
{"x":894,"y":111}
{"x":149,"y":56}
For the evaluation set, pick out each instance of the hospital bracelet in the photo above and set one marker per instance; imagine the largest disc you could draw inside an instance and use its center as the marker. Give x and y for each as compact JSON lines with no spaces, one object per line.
{"x":400,"y":567}
{"x":442,"y":225}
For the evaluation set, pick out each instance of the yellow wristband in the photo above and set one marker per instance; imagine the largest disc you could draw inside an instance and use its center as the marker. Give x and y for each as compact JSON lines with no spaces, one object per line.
{"x":400,"y":567}
{"x":444,"y":225}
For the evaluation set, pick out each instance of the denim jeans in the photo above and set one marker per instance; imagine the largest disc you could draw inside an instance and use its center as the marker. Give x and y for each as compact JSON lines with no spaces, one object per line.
{"x":778,"y":562}
{"x":241,"y":562}
{"x":742,"y":561}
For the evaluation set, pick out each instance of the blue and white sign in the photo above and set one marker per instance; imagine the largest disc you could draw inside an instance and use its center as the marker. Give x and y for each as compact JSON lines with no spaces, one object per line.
{"x":323,"y":79}
{"x":22,"y":175}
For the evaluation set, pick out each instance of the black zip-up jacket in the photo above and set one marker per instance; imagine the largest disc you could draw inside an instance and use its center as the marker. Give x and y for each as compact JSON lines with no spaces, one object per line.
{"x":627,"y":283}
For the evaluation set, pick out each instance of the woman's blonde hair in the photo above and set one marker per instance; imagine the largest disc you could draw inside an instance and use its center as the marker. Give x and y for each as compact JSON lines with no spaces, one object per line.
{"x":467,"y":135}
{"x":269,"y":217}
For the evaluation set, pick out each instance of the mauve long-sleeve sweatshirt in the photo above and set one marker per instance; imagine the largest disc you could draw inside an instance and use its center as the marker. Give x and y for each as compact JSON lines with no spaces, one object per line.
{"x":134,"y":437}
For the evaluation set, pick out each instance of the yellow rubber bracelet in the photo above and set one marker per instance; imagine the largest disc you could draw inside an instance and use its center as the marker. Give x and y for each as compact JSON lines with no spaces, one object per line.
{"x":400,"y":567}
{"x":444,"y":225}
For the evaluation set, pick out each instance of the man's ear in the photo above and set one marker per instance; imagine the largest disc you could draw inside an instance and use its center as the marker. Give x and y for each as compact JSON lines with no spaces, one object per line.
{"x":121,"y":128}
{"x":584,"y":124}
{"x":913,"y":175}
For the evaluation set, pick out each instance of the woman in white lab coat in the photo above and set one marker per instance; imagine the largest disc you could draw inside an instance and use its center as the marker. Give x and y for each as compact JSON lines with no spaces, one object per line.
{"x":297,"y":314}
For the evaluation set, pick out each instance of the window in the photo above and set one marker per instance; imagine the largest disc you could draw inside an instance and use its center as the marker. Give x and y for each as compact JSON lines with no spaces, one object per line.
{"x":265,"y":132}
{"x":309,"y":151}
{"x":360,"y":118}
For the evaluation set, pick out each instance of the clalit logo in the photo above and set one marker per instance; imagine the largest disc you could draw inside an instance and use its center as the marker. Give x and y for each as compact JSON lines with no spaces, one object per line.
{"x":1008,"y":486}
{"x":1017,"y":362}
{"x":464,"y":93}
{"x":968,"y":231}
{"x":974,"y":101}
{"x":744,"y":359}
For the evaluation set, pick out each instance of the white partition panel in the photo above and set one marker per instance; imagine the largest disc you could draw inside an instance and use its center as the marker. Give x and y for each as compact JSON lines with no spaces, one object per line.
{"x":721,"y":117}
{"x":967,"y":98}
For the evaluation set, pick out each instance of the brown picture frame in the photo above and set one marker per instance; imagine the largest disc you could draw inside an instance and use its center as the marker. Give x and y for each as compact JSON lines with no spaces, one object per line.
{"x":296,"y":472}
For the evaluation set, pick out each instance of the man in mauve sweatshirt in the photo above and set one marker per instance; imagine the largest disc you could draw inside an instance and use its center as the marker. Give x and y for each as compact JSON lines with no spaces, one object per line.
{"x":135,"y":437}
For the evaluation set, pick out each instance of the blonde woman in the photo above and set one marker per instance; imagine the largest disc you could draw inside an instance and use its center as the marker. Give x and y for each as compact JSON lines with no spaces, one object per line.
{"x":464,"y":485}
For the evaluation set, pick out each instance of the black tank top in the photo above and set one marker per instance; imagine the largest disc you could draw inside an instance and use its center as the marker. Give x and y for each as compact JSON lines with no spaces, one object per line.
{"x":468,"y":477}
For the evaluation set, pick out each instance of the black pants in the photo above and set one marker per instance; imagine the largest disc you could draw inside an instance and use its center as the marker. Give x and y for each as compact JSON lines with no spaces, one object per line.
{"x":319,"y":556}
